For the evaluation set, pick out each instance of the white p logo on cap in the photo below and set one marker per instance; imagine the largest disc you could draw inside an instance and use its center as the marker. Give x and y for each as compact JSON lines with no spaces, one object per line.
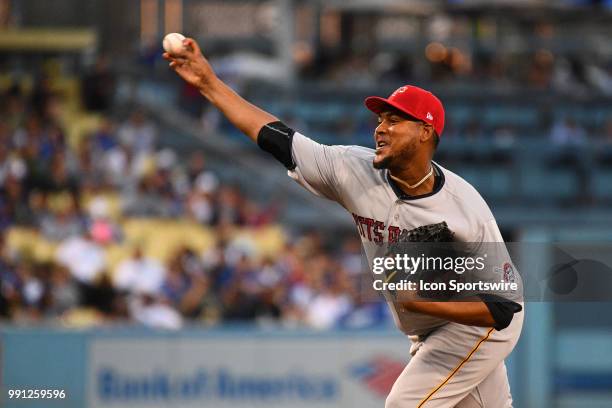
{"x":399,"y":90}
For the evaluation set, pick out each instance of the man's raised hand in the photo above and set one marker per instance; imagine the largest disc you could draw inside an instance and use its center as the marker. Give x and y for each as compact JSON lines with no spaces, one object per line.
{"x":191,"y":65}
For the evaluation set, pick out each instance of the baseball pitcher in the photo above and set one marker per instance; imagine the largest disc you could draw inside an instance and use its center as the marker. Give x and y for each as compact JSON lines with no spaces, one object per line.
{"x":397,"y":191}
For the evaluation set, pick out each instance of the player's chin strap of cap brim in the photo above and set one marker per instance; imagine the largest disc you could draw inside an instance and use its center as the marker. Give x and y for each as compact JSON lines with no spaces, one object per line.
{"x":276,"y":138}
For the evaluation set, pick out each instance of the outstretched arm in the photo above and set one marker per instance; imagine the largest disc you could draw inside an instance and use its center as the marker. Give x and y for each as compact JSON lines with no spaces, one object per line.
{"x":193,"y":67}
{"x":316,"y":167}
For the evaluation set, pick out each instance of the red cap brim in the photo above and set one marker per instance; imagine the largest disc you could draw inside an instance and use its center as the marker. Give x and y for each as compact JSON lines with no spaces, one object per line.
{"x":377,"y":105}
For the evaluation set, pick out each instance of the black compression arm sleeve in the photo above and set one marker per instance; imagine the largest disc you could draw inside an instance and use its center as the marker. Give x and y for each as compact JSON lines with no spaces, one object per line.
{"x":276,"y":138}
{"x":501,"y":309}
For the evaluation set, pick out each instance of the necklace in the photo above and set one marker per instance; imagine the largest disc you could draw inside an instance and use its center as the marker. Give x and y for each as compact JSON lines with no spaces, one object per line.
{"x":412,"y":186}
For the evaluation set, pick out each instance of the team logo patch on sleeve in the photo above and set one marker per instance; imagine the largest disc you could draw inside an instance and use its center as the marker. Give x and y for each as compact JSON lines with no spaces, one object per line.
{"x":509,"y":273}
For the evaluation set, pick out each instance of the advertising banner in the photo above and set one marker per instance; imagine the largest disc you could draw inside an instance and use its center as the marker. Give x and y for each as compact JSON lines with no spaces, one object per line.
{"x":236,"y":372}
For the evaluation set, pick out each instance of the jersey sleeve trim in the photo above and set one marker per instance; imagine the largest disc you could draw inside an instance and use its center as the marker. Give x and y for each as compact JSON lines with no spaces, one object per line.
{"x":501,"y":309}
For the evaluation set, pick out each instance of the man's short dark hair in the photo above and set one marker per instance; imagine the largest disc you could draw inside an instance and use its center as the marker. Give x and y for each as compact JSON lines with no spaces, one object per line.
{"x":436,"y":139}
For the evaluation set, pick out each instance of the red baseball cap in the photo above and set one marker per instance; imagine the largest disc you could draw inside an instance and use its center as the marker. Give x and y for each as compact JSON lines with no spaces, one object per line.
{"x":414,"y":101}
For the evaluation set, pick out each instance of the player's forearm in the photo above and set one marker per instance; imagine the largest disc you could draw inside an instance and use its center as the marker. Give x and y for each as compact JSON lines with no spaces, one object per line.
{"x":473,"y":313}
{"x":248,"y":118}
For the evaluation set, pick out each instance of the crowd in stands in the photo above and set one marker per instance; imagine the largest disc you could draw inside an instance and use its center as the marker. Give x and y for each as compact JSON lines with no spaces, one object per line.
{"x":76,"y":197}
{"x":67,"y":205}
{"x":539,"y":70}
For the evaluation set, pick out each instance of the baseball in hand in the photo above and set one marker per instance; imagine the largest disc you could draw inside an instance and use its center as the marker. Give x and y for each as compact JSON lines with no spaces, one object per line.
{"x":173,"y":43}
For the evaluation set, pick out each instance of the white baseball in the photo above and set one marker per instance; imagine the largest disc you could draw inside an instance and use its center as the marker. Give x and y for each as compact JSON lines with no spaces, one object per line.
{"x":173,"y":43}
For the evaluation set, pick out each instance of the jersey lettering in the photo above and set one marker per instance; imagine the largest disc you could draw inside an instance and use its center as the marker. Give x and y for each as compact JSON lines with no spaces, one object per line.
{"x":374,"y":230}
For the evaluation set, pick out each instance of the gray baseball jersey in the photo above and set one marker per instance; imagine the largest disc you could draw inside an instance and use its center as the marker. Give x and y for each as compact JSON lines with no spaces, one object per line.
{"x":381,"y":213}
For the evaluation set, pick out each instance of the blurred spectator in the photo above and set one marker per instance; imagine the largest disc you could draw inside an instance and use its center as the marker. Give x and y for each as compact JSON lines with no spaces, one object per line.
{"x":176,"y":282}
{"x":98,"y":86}
{"x":138,"y":133}
{"x":201,"y":205}
{"x":230,"y":206}
{"x":64,"y":293}
{"x":14,"y":106}
{"x":104,"y":138}
{"x":328,"y":307}
{"x":101,"y":228}
{"x":115,"y":165}
{"x":568,"y":133}
{"x":83,"y":257}
{"x":12,"y":195}
{"x":31,"y":289}
{"x":338,"y":293}
{"x":62,"y":223}
{"x":41,"y":96}
{"x":239,"y":293}
{"x":9,"y":283}
{"x":200,"y":301}
{"x":154,"y":312}
{"x":351,"y":257}
{"x":104,"y":299}
{"x":152,"y":197}
{"x":139,"y":274}
{"x":541,"y":69}
{"x":570,"y":139}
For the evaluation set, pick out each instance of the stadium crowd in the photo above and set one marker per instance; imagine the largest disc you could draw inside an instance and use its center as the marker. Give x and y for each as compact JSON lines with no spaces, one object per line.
{"x":62,"y":191}
{"x":537,"y":70}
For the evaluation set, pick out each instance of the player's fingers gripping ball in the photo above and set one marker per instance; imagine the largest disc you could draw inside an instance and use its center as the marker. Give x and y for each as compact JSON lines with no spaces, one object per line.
{"x":173,"y":44}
